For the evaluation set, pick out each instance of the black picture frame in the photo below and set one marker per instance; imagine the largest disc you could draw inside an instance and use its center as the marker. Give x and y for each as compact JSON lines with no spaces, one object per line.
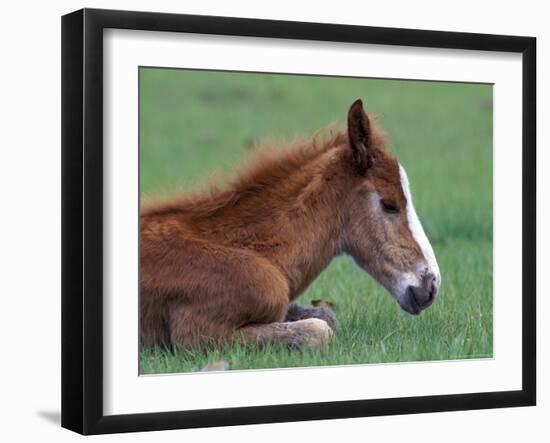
{"x":82,"y":220}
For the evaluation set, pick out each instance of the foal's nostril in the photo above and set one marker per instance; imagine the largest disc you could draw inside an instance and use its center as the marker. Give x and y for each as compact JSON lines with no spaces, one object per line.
{"x":433,"y":288}
{"x":423,"y":295}
{"x":429,"y":287}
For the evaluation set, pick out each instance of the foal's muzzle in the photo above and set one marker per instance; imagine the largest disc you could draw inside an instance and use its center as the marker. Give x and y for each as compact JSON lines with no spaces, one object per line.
{"x":420,"y":297}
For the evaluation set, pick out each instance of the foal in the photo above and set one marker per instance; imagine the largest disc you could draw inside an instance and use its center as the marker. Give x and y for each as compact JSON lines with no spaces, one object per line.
{"x":227,"y":265}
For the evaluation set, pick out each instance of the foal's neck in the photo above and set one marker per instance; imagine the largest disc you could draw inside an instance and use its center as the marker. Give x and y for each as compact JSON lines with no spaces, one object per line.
{"x":295,"y":220}
{"x":315,"y":220}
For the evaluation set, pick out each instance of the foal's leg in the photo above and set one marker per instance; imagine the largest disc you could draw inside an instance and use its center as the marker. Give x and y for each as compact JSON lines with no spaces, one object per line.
{"x":309,"y":332}
{"x":296,"y":312}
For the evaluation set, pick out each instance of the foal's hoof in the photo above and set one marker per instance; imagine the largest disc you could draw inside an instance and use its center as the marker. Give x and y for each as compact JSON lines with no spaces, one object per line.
{"x":328,"y":316}
{"x":313,"y":332}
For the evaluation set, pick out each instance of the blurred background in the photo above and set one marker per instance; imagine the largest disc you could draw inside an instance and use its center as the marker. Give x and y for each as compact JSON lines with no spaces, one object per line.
{"x":194,"y":124}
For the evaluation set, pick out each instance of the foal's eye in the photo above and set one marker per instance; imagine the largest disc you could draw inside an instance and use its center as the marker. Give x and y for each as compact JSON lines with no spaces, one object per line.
{"x":389,"y":207}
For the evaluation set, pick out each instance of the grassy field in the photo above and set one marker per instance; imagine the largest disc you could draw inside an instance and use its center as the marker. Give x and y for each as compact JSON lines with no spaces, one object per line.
{"x":195,"y":123}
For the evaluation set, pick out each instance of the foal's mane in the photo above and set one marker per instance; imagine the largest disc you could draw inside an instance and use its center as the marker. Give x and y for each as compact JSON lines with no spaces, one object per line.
{"x":269,"y":164}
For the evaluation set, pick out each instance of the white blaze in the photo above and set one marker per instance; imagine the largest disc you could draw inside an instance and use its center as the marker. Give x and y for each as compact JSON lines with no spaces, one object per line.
{"x":416,"y":227}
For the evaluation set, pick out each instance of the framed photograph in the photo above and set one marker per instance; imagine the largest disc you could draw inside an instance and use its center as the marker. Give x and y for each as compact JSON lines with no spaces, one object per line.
{"x":269,"y":221}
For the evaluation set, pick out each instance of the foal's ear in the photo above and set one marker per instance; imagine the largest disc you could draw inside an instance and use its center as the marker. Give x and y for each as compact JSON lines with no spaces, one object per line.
{"x":359,"y":134}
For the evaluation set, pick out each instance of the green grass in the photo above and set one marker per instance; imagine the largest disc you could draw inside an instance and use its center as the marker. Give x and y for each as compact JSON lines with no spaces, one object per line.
{"x":195,"y":123}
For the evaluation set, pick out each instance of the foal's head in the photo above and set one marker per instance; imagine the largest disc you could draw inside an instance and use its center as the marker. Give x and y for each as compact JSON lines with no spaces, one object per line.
{"x":383,"y":233}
